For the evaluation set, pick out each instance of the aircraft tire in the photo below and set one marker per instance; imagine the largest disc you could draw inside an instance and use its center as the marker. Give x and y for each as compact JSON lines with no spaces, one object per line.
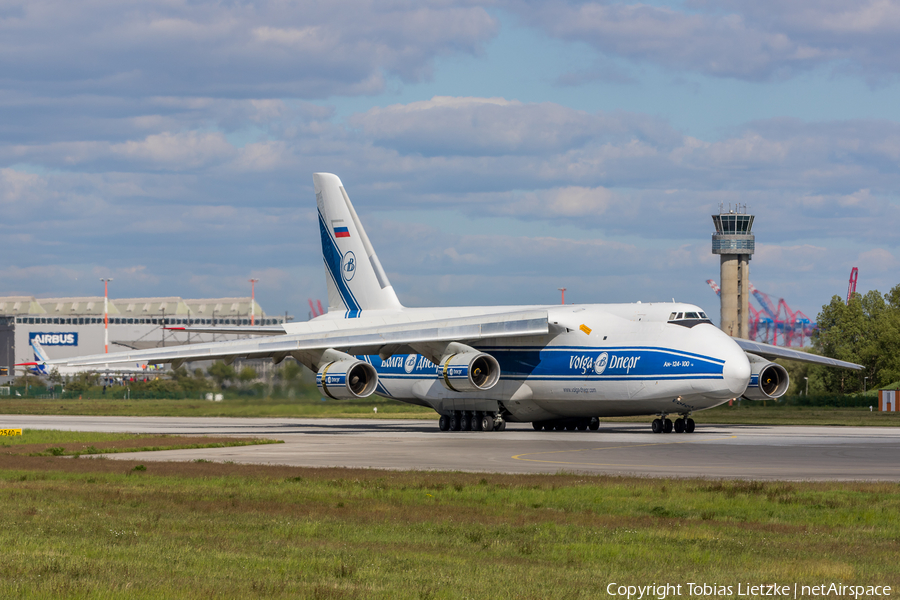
{"x":679,"y":425}
{"x":559,"y":426}
{"x":444,"y":423}
{"x":583,"y":425}
{"x":456,"y":421}
{"x":571,"y":426}
{"x":549,"y":425}
{"x":487,"y":423}
{"x":656,"y":426}
{"x":537,"y":425}
{"x":595,"y":424}
{"x":689,"y":426}
{"x":477,"y":417}
{"x":501,"y":426}
{"x":465,"y":422}
{"x":667,"y":426}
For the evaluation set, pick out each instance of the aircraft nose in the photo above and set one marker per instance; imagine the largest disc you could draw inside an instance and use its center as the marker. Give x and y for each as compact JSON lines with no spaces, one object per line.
{"x":736,"y":371}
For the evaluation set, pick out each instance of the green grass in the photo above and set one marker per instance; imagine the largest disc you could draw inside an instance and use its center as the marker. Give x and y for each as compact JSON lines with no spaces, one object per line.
{"x":188,"y":530}
{"x":41,"y":442}
{"x":52,"y":436}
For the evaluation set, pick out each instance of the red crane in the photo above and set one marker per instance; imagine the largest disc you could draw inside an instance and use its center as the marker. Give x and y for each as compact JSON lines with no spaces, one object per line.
{"x":764,"y":325}
{"x":851,"y":289}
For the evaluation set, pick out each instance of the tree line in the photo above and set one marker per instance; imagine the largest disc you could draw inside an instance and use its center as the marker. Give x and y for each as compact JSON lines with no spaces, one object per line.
{"x":865,"y":331}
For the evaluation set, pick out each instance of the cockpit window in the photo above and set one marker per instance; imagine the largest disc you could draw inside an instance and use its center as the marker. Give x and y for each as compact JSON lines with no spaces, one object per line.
{"x":688,"y":319}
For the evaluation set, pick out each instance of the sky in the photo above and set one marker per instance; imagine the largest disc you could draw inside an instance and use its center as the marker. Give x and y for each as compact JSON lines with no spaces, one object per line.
{"x":495,"y":151}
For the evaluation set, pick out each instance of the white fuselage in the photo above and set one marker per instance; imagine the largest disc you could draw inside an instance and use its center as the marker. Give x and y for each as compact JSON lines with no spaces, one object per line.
{"x":597,"y":360}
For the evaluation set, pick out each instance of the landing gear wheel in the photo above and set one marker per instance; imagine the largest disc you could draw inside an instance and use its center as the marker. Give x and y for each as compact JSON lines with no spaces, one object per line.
{"x":456,"y":421}
{"x":487,"y":423}
{"x":500,"y":426}
{"x":549,"y":425}
{"x":560,"y":427}
{"x":537,"y":425}
{"x":595,"y":424}
{"x":476,"y":420}
{"x":571,"y":426}
{"x":667,"y":426}
{"x":583,"y":425}
{"x":689,"y":426}
{"x":656,"y":426}
{"x":444,"y":423}
{"x":465,"y":423}
{"x":679,"y":425}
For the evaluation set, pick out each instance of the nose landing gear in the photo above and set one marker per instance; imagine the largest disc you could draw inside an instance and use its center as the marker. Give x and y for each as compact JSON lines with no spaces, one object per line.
{"x":683,"y":424}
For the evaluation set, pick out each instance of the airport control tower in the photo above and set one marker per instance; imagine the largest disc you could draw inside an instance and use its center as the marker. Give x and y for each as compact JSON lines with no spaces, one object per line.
{"x":734,"y":244}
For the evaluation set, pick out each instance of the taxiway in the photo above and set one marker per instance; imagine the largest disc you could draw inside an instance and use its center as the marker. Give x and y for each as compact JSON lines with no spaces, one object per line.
{"x":716,"y":451}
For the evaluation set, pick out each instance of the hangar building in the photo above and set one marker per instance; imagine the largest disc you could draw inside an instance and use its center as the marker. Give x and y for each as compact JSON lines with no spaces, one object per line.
{"x":74,"y":326}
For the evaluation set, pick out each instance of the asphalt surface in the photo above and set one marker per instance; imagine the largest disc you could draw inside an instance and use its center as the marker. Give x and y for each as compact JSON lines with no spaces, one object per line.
{"x":715,"y":451}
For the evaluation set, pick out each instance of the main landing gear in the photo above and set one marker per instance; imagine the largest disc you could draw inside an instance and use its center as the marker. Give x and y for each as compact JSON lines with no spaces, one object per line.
{"x":471,"y":420}
{"x":683,"y":424}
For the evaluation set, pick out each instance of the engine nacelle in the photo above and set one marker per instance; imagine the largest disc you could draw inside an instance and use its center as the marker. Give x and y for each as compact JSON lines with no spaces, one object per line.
{"x":469,"y":372}
{"x":345,"y":379}
{"x":768,"y":380}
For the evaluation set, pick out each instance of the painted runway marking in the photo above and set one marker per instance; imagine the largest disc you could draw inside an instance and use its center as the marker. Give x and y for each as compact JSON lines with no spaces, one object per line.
{"x":561,"y":462}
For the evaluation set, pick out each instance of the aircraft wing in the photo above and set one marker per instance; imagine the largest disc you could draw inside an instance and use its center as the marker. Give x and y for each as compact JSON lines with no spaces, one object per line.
{"x":773,"y":352}
{"x":375,"y":339}
{"x":250,"y":329}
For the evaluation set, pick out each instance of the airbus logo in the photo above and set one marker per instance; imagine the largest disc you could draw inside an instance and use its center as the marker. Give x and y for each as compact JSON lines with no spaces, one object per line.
{"x":348,"y":266}
{"x":54,"y":339}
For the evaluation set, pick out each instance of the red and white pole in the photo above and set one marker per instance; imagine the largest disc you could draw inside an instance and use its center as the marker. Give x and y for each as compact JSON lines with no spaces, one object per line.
{"x":106,"y":281}
{"x":563,"y":290}
{"x":253,"y":301}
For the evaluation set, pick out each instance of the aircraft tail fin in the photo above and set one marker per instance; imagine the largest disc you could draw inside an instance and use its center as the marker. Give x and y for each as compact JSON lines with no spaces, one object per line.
{"x":40,"y":356}
{"x":356,"y":279}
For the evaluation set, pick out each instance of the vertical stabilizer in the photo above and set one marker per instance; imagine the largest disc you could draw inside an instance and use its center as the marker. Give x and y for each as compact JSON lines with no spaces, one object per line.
{"x":40,"y":356}
{"x":356,"y":280}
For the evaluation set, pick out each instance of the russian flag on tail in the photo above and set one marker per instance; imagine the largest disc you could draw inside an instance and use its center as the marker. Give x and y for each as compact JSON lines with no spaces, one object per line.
{"x":341,"y":232}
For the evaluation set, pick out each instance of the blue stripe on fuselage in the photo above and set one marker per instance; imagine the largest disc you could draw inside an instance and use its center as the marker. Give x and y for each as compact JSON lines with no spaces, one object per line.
{"x":568,"y":363}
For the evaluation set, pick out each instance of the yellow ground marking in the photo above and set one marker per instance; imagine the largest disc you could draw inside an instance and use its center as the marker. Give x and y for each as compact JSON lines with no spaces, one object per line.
{"x":561,"y":462}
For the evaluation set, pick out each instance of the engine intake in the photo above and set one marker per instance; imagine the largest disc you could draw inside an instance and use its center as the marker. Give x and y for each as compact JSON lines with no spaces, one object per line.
{"x":469,"y":372}
{"x":346,"y":379}
{"x":768,"y":380}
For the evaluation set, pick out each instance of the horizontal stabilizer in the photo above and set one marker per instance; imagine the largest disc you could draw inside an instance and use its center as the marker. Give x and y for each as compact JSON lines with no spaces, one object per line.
{"x":250,"y":330}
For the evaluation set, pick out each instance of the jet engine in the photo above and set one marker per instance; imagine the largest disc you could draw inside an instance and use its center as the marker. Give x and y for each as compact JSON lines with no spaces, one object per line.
{"x":768,"y":380}
{"x":469,"y":372}
{"x":345,"y":379}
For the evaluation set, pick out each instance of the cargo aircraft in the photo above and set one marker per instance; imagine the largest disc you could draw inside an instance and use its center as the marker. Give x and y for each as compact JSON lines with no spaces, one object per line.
{"x":557,"y":367}
{"x":43,"y":365}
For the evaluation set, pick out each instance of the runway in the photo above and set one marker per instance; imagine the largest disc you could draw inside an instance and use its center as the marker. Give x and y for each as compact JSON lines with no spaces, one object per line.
{"x":714,"y":451}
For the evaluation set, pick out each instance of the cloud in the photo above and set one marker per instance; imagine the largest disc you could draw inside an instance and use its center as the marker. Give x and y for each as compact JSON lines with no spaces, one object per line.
{"x":266,"y":48}
{"x":754,"y":40}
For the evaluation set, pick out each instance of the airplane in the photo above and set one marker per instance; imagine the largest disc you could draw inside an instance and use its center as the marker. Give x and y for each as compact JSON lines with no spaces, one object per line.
{"x":559,"y":367}
{"x":41,"y":362}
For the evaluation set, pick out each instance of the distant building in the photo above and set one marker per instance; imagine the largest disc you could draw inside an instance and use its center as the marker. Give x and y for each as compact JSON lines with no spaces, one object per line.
{"x":74,"y":326}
